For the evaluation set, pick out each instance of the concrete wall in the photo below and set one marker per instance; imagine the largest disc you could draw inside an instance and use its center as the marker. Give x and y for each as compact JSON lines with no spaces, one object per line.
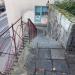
{"x":60,"y":26}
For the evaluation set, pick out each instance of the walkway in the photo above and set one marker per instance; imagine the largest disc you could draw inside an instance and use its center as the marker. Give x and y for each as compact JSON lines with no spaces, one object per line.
{"x":49,"y":58}
{"x":44,"y":56}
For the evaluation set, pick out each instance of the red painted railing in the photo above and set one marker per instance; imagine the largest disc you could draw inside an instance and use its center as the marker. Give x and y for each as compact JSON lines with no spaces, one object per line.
{"x":32,"y":30}
{"x":13,"y":49}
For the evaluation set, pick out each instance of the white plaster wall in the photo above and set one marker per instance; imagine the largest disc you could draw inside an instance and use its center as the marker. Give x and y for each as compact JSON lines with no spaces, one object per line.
{"x":15,"y":8}
{"x":60,"y":26}
{"x":40,"y":2}
{"x":13,"y":11}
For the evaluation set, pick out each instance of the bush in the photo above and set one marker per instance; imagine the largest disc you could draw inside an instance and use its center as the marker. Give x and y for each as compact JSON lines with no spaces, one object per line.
{"x":67,"y":5}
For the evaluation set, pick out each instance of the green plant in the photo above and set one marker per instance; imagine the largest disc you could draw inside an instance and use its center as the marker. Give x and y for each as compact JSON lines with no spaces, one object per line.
{"x":68,"y":5}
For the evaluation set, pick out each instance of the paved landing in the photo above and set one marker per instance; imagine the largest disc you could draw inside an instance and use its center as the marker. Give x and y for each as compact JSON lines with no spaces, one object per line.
{"x":48,"y":57}
{"x":45,"y":57}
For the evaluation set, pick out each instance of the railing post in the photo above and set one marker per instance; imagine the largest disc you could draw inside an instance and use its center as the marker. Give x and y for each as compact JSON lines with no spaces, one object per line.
{"x":22,"y":26}
{"x":22,"y":32}
{"x":14,"y":40}
{"x":29,"y":30}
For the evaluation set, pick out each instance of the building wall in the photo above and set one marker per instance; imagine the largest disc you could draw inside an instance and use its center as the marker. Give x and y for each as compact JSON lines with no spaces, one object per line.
{"x":60,"y":26}
{"x":15,"y":8}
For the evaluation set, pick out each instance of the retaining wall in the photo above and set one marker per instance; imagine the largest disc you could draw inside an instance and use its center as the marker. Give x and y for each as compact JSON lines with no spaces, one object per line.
{"x":61,"y":23}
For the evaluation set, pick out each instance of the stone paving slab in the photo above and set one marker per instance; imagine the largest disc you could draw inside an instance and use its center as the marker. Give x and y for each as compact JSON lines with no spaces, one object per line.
{"x":60,"y":73}
{"x":50,"y":73}
{"x":44,"y":64}
{"x":72,"y":66}
{"x":55,"y":73}
{"x":72,"y":69}
{"x":44,"y":54}
{"x":39,"y":73}
{"x":44,"y":42}
{"x":57,"y":53}
{"x":60,"y":65}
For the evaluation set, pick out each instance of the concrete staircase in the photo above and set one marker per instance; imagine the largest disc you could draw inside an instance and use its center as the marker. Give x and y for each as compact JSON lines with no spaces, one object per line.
{"x":25,"y":39}
{"x":18,"y":66}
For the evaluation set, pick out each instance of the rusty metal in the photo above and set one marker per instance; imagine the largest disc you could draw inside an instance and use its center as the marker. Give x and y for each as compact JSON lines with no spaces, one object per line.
{"x":32,"y":33}
{"x":32,"y":30}
{"x":10,"y":27}
{"x":10,"y":55}
{"x":14,"y":38}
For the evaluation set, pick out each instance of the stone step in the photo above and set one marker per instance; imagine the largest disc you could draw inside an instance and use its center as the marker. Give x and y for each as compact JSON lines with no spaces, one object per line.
{"x":26,"y":36}
{"x":22,"y":47}
{"x":12,"y":69}
{"x":20,"y":51}
{"x":25,"y":42}
{"x":25,"y":39}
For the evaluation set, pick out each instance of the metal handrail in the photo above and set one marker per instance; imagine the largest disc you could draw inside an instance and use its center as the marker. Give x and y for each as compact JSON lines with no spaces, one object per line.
{"x":14,"y":40}
{"x":10,"y":27}
{"x":31,"y":28}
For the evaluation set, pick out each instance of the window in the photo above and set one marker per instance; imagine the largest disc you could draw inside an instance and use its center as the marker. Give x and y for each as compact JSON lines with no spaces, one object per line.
{"x":41,"y":10}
